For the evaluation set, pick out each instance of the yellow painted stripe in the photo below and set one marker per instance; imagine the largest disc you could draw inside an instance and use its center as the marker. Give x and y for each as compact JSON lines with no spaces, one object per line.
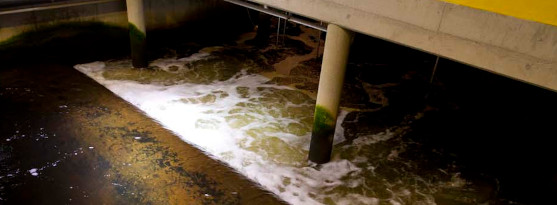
{"x":543,"y":11}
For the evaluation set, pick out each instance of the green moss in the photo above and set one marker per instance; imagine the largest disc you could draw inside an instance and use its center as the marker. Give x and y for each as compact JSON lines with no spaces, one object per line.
{"x":138,"y":47}
{"x":322,"y":135}
{"x":324,"y":122}
{"x":135,"y":33}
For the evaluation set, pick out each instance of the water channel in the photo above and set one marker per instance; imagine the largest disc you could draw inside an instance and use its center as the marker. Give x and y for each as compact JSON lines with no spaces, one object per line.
{"x":90,"y":131}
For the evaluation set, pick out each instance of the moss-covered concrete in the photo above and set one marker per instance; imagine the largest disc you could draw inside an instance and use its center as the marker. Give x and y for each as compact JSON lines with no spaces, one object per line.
{"x":138,"y":42}
{"x":322,"y":135}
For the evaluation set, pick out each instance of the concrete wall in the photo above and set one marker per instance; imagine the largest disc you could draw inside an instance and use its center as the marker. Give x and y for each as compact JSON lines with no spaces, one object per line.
{"x":159,"y":14}
{"x":521,"y":49}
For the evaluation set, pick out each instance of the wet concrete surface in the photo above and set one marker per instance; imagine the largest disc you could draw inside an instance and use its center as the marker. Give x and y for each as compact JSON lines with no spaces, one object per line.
{"x":67,"y":140}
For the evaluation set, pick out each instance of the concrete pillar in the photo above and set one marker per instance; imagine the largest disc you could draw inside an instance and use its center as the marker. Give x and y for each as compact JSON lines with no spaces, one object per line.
{"x":136,"y":21}
{"x":263,"y":29}
{"x":335,"y":57}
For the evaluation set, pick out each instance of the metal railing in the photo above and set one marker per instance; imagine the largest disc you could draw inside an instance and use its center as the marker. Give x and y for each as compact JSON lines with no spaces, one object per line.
{"x":265,"y":9}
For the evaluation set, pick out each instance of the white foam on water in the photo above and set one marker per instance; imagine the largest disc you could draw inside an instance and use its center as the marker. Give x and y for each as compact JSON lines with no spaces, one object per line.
{"x":167,"y":64}
{"x":372,"y":139}
{"x":33,"y":172}
{"x":339,"y":130}
{"x":209,"y":126}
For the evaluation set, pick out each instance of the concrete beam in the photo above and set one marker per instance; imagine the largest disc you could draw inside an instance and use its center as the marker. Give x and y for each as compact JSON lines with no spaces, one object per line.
{"x":521,"y":49}
{"x":542,"y":11}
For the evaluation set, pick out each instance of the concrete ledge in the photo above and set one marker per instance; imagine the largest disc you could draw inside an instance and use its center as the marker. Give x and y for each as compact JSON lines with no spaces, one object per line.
{"x":160,"y":14}
{"x":113,"y":12}
{"x":521,"y":49}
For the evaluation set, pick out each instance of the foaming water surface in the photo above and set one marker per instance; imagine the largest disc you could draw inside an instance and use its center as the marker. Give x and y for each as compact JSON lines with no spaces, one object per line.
{"x":260,"y":129}
{"x":67,"y":139}
{"x":226,"y":106}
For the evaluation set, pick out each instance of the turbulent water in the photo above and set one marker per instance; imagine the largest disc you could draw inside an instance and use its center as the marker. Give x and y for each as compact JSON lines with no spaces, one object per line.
{"x":226,"y":107}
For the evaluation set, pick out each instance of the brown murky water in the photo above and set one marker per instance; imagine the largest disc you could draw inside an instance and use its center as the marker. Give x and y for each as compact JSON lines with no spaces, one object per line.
{"x":469,"y":138}
{"x":66,"y":139}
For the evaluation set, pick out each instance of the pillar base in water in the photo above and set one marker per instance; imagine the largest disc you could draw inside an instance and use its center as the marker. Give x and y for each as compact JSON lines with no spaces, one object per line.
{"x":322,"y":135}
{"x":136,"y":19}
{"x":335,"y":57}
{"x":138,"y":45}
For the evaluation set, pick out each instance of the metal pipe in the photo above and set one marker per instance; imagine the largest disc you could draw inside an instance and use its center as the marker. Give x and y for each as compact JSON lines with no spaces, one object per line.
{"x":284,"y":31}
{"x":434,"y":70}
{"x":265,"y":9}
{"x":53,"y":6}
{"x":278,"y":32}
{"x":318,"y":42}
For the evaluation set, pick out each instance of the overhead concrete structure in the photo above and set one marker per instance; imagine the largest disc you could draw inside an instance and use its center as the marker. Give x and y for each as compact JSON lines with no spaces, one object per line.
{"x":524,"y":49}
{"x":542,"y":11}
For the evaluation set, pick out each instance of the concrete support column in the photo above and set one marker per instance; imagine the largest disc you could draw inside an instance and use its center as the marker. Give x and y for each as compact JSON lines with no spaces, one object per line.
{"x":136,"y":21}
{"x":335,"y":57}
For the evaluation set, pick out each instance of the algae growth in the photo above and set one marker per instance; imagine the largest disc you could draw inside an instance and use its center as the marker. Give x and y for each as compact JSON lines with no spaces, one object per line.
{"x":138,"y":45}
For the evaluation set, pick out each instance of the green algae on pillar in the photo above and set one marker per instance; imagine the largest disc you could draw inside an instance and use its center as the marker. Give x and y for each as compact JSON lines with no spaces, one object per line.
{"x":138,"y":43}
{"x":322,"y":135}
{"x":138,"y":47}
{"x":335,"y":58}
